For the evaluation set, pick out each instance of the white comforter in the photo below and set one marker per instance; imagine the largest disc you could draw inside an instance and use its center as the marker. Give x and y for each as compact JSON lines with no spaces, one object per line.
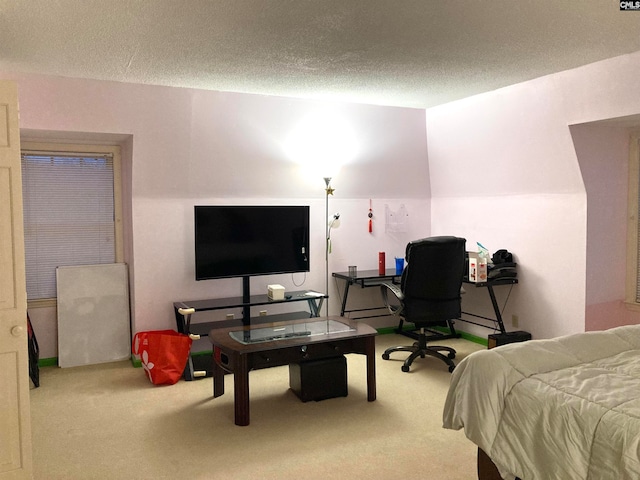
{"x":565,"y":408}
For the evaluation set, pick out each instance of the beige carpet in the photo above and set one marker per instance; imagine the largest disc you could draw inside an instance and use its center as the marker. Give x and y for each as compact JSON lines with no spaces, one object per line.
{"x":108,"y":422}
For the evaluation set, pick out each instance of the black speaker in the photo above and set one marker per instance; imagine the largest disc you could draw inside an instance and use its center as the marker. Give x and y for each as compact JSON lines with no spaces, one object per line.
{"x":497,"y":339}
{"x":319,"y":379}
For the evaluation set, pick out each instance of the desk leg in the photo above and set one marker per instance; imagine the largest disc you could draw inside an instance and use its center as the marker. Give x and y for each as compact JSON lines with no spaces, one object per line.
{"x":241,"y":390}
{"x":370,"y":348}
{"x":496,"y":308}
{"x":344,"y":297}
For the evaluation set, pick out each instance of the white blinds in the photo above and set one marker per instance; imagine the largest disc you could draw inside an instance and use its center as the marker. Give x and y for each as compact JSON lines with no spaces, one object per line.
{"x":68,"y":215}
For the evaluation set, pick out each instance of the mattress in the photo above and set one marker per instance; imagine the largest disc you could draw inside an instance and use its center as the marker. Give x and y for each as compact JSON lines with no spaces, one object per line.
{"x":564,"y":408}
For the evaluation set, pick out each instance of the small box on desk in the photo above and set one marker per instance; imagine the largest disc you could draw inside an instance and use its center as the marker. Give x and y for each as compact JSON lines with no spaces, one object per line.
{"x":497,"y":339}
{"x":477,"y":268}
{"x":319,"y":379}
{"x":275,"y":292}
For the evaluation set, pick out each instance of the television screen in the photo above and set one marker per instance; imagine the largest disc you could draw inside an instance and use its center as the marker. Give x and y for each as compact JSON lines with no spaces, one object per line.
{"x":237,"y":241}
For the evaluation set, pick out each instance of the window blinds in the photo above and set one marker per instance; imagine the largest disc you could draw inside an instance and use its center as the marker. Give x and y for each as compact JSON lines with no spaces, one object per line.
{"x":68,"y":215}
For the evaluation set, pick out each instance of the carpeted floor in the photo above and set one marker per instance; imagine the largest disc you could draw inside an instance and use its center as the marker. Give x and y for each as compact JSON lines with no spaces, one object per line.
{"x":108,"y":422}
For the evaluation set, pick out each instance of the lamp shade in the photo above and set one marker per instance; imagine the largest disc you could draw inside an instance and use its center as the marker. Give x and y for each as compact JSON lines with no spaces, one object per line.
{"x":322,"y":142}
{"x":334,"y":221}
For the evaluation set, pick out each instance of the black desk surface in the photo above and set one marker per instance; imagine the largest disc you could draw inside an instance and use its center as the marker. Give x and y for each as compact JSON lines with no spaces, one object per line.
{"x":368,"y":275}
{"x":492,"y":281}
{"x":390,"y":273}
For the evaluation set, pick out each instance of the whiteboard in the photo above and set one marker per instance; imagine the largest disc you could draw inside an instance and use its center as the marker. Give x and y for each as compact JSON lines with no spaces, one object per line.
{"x":93,"y":314}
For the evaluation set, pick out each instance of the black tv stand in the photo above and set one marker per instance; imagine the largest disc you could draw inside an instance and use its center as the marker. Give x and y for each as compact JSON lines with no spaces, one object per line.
{"x":246,"y":299}
{"x":185,"y":309}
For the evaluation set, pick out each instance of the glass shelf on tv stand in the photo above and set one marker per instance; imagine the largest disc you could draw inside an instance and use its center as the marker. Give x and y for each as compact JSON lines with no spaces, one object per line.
{"x":184,"y":309}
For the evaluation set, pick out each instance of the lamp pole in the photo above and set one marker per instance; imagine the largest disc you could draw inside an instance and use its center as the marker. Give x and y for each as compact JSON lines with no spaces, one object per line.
{"x":328,"y":191}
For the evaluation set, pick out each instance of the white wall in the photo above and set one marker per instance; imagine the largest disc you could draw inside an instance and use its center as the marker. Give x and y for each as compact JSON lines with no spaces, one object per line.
{"x":184,"y":147}
{"x":603,"y":153}
{"x":505,"y":172}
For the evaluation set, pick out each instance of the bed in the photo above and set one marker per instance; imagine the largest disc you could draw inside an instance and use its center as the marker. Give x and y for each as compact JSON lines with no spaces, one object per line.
{"x":564,"y":408}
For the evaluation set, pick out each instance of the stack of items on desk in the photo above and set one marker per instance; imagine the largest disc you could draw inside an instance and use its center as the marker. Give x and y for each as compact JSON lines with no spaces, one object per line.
{"x":502,"y":266}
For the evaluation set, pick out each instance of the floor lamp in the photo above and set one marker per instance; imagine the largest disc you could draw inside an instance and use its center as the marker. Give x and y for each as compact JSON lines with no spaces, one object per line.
{"x":332,"y":222}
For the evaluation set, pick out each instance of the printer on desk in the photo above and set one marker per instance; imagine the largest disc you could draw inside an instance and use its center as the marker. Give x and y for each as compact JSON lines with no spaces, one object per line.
{"x":502,"y":266}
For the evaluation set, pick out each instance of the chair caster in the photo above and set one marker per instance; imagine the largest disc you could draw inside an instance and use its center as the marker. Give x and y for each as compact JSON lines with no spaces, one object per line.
{"x":451,"y":355}
{"x":405,"y":368}
{"x":385,"y":356}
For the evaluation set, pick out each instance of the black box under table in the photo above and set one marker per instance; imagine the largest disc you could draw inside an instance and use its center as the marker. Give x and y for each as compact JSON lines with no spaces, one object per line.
{"x":319,"y":379}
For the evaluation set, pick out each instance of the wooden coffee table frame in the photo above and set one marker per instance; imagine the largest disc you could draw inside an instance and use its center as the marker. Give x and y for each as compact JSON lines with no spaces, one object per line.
{"x":237,"y":358}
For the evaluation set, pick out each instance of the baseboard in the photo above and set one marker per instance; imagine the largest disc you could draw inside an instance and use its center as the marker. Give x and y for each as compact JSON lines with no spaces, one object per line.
{"x":465,"y":335}
{"x":48,"y":362}
{"x":386,"y":330}
{"x":473,"y":338}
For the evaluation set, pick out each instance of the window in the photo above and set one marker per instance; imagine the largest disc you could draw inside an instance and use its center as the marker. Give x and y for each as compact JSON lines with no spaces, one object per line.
{"x":71,"y":211}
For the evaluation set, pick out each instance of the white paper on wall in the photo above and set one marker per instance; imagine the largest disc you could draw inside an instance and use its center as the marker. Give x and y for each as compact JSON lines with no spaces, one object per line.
{"x":396,"y":221}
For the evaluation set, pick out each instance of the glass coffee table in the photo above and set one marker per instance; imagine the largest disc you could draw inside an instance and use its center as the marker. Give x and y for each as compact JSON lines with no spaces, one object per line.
{"x":238,"y":350}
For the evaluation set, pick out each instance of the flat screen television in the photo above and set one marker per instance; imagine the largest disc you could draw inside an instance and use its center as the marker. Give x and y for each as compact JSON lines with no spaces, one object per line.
{"x":243,"y":241}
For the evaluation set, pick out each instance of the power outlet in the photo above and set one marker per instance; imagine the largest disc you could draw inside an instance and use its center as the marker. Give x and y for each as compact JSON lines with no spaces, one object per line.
{"x":515,"y":321}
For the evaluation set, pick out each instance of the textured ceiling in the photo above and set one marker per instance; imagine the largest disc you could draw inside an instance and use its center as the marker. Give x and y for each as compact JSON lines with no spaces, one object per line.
{"x":413,"y":53}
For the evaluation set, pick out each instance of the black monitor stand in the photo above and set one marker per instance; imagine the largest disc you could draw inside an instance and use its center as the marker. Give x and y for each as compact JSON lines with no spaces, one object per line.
{"x":246,"y":299}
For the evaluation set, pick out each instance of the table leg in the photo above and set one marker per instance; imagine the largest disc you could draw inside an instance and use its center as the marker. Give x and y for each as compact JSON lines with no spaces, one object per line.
{"x":218,"y":379}
{"x":370,"y":348}
{"x":241,"y":390}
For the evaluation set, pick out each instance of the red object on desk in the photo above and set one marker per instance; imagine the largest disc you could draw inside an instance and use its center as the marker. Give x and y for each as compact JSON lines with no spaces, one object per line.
{"x":381,"y":263}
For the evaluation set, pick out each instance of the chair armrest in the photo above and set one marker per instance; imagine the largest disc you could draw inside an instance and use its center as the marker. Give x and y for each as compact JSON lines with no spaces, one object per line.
{"x":387,"y":287}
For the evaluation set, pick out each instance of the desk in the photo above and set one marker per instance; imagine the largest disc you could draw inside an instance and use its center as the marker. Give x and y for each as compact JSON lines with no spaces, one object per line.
{"x":239,"y":358}
{"x":371,"y":278}
{"x":366,"y":279}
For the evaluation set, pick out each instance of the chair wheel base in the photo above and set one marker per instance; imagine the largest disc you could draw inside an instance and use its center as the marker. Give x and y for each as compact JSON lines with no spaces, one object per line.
{"x":446,"y":354}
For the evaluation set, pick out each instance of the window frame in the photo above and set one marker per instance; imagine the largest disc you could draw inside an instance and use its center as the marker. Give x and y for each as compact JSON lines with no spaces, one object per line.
{"x":71,"y":148}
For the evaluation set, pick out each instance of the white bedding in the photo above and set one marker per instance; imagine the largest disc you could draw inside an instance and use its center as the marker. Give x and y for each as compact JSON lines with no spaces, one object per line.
{"x":564,"y":408}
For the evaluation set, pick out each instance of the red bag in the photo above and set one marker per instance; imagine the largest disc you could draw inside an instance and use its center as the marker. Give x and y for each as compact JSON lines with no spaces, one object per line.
{"x":164,"y":354}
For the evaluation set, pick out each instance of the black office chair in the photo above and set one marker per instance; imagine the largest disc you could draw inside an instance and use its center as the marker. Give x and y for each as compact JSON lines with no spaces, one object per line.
{"x":428,"y":295}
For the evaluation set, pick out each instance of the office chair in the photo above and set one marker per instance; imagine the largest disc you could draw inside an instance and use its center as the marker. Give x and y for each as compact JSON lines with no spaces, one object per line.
{"x":428,"y":295}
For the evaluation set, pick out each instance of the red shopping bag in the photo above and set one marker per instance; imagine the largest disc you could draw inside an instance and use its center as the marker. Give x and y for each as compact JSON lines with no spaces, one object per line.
{"x":164,"y":354}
